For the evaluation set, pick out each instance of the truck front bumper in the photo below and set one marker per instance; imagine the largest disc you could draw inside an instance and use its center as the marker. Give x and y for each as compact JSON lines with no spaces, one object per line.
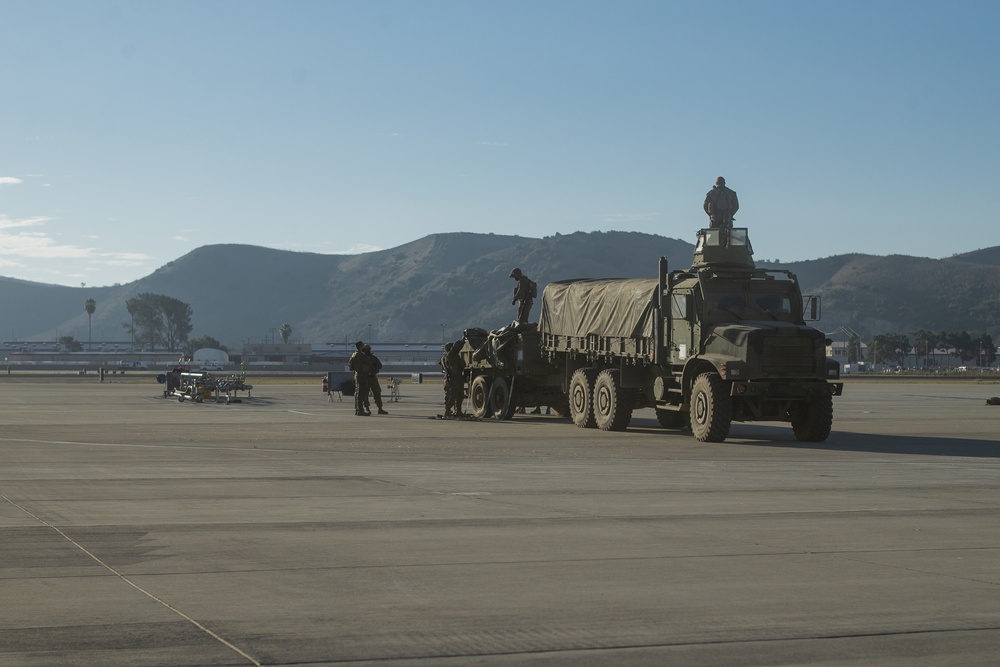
{"x":780,"y":389}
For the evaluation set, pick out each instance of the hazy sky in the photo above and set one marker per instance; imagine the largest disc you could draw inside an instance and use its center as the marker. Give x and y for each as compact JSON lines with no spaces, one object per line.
{"x":134,"y":132}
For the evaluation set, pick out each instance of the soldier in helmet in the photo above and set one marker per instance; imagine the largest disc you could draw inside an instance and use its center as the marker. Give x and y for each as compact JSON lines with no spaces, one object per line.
{"x":374,"y":367}
{"x":522,"y":294}
{"x":361,"y":366}
{"x":721,"y":205}
{"x":452,"y":365}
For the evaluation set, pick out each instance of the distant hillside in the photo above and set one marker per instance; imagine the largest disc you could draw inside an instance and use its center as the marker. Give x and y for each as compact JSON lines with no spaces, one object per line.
{"x":433,"y":288}
{"x":989,"y":256}
{"x":241,"y":293}
{"x":899,"y":293}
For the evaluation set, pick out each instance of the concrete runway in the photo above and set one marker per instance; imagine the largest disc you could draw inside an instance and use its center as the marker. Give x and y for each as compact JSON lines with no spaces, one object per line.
{"x":136,"y":530}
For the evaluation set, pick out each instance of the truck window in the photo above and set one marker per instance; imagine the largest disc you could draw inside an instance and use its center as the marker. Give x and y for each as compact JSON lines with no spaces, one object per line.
{"x":735,"y":305}
{"x":774,"y":305}
{"x":725,"y":306}
{"x":678,"y":306}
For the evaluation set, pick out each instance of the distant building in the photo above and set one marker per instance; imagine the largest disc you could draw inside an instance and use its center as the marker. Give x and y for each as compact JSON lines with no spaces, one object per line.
{"x":395,"y":357}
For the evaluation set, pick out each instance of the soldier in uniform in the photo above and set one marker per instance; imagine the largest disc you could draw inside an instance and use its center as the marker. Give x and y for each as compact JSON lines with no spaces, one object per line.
{"x":374,"y":367}
{"x":451,"y":364}
{"x":522,"y":294}
{"x":721,"y":205}
{"x":360,"y":364}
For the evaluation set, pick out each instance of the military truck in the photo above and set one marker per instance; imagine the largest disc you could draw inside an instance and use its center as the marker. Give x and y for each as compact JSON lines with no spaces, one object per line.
{"x":718,"y":342}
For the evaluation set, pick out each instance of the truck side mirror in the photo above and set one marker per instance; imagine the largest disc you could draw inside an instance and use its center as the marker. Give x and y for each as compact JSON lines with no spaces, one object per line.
{"x":811,"y":309}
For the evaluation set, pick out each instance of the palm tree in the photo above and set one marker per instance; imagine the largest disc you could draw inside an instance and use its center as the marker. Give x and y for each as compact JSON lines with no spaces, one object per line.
{"x":90,"y":306}
{"x":286,"y":332}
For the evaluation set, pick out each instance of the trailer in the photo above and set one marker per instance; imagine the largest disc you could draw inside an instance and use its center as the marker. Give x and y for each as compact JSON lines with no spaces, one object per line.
{"x":201,"y":386}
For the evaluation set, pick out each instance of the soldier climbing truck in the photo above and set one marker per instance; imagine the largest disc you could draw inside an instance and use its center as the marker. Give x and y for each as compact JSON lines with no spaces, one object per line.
{"x":719,"y":342}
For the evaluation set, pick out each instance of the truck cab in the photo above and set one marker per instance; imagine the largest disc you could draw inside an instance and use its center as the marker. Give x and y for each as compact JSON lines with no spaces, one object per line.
{"x":745,"y":328}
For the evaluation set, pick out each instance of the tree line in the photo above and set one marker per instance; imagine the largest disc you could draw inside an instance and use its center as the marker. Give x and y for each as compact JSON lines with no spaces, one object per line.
{"x":896,"y":347}
{"x":158,"y":320}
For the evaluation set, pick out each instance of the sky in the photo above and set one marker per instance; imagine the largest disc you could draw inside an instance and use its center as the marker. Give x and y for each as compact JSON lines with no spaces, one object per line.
{"x":134,"y":132}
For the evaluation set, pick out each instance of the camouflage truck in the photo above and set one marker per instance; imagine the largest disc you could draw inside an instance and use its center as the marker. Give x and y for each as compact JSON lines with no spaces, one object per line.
{"x":721,"y":341}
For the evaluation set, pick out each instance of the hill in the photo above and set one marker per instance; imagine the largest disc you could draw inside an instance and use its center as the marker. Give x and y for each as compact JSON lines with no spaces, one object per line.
{"x":989,"y":256}
{"x":433,"y":288}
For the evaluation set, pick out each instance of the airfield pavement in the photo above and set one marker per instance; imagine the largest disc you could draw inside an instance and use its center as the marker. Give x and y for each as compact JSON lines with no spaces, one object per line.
{"x":283,"y":530}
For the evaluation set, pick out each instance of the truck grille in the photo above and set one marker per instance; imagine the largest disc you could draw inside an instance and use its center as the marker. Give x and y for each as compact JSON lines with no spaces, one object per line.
{"x":790,"y":357}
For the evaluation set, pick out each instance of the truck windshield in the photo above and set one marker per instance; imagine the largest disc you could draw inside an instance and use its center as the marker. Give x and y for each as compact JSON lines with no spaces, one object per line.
{"x":770,"y":302}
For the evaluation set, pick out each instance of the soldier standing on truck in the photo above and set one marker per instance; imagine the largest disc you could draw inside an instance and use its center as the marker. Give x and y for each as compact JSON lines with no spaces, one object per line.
{"x":721,"y":205}
{"x":360,"y":364}
{"x":524,"y":292}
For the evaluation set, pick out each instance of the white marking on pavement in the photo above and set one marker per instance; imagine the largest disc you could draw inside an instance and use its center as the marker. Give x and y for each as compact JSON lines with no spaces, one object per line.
{"x":134,"y":585}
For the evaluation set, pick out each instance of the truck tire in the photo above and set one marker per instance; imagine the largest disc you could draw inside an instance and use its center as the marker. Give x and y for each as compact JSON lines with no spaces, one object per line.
{"x":479,"y":396}
{"x":501,"y":403}
{"x":813,"y":419}
{"x":711,"y":408}
{"x":671,"y":418}
{"x":612,"y":404}
{"x":581,"y":393}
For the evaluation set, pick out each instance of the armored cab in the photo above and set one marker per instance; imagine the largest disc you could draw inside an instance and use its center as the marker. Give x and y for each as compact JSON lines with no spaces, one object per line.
{"x":736,"y":345}
{"x":723,"y":247}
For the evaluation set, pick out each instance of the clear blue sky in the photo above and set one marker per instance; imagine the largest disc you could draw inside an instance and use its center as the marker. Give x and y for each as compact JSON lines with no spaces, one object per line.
{"x":134,"y":132}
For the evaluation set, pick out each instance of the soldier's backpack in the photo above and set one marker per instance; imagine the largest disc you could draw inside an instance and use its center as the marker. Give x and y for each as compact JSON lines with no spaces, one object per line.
{"x":532,"y":289}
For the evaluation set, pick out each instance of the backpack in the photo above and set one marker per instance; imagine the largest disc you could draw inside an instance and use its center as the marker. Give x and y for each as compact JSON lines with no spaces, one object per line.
{"x":532,"y":289}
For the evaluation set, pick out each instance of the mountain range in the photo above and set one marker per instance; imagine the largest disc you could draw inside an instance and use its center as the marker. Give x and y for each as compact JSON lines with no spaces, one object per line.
{"x":433,"y":288}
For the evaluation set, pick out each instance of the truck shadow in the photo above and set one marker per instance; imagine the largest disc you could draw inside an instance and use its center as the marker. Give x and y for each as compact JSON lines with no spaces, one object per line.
{"x":756,"y":435}
{"x":848,"y":441}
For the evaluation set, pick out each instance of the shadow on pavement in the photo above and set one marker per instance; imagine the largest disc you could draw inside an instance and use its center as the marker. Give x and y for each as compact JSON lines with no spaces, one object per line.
{"x":757,"y":435}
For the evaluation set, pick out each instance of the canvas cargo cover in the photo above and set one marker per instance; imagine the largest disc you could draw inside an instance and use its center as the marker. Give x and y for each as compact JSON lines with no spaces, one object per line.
{"x":607,"y":307}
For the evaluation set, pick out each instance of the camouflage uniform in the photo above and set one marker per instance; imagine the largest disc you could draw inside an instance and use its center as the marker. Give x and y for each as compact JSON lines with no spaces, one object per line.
{"x":375,"y":366}
{"x":361,"y":365}
{"x":451,"y":364}
{"x":522,"y":294}
{"x":721,"y":205}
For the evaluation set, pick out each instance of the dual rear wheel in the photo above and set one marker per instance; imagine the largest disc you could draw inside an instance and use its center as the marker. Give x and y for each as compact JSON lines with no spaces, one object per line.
{"x":492,"y":397}
{"x":597,"y":400}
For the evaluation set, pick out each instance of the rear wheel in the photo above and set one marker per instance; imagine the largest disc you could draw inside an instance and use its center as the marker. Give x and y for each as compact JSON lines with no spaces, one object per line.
{"x":711,"y":408}
{"x":813,"y":419}
{"x":479,"y":395}
{"x":501,"y":403}
{"x":612,"y":404}
{"x":581,"y":392}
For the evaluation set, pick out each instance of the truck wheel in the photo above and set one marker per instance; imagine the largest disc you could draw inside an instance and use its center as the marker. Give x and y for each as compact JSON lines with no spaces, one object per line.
{"x":612,"y":404}
{"x":671,"y":418}
{"x":813,"y":419}
{"x":711,"y":408}
{"x":479,"y":396}
{"x":501,"y":403}
{"x":581,"y":392}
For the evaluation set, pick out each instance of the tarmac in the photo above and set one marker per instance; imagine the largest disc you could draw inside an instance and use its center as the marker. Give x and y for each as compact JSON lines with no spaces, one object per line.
{"x":284,"y":530}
